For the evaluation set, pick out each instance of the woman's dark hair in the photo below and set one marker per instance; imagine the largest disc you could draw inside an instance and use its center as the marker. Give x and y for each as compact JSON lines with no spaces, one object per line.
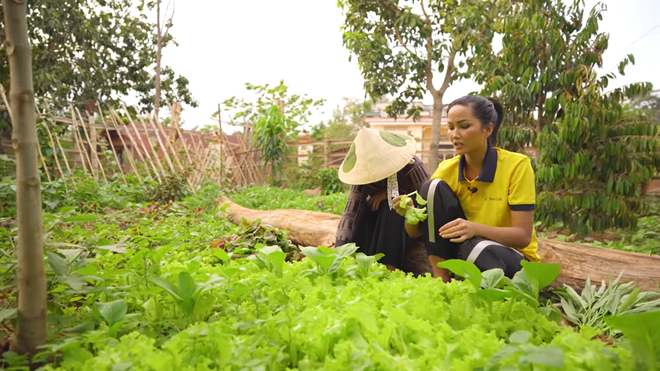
{"x":487,"y":110}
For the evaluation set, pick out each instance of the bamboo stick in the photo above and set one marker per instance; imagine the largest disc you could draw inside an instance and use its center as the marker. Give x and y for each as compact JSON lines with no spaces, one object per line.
{"x":52,"y":146}
{"x":43,"y":163}
{"x":66,"y":161}
{"x":57,"y":140}
{"x":166,"y":152}
{"x":112,"y":145}
{"x":92,"y":147}
{"x":150,"y":144}
{"x":165,"y":143}
{"x":129,"y":153}
{"x":84,"y":155}
{"x":199,"y":175}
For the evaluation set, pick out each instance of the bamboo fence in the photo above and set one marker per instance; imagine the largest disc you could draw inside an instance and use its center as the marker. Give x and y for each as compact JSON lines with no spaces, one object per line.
{"x":111,"y":145}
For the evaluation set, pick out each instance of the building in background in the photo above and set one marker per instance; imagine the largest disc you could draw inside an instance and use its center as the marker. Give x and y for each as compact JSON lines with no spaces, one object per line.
{"x":421,"y":129}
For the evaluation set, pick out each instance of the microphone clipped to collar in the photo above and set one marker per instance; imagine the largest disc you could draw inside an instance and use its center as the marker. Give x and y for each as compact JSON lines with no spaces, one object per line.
{"x":472,"y":189}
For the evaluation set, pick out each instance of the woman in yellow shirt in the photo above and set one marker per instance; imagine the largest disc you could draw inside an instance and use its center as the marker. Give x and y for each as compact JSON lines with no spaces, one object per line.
{"x":480,"y":203}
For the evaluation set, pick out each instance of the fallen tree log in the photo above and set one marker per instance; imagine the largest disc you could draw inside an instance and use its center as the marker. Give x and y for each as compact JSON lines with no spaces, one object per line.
{"x":311,"y":228}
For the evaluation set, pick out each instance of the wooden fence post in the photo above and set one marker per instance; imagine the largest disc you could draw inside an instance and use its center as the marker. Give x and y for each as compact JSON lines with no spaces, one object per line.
{"x":326,"y":151}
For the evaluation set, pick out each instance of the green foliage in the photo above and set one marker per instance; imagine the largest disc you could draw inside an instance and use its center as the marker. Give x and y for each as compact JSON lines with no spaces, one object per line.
{"x":174,"y":187}
{"x":594,"y":154}
{"x":275,"y":118}
{"x":329,"y":181}
{"x":399,"y":47}
{"x":591,"y":167}
{"x":94,"y":50}
{"x":413,"y":214}
{"x":643,"y":333}
{"x":613,"y":299}
{"x":296,"y":108}
{"x":268,"y":198}
{"x":270,"y":131}
{"x":649,"y":104}
{"x":250,"y":237}
{"x":526,"y":284}
{"x":143,"y":288}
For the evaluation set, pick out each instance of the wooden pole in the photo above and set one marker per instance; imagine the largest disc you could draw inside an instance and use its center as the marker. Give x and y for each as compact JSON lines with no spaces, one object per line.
{"x":222,"y":134}
{"x":164,"y":145}
{"x":83,"y":152}
{"x":127,"y":150}
{"x":52,"y":146}
{"x":43,"y":163}
{"x":160,"y":142}
{"x":112,"y":145}
{"x":95,"y":155}
{"x":326,"y":151}
{"x":59,"y":145}
{"x":56,"y":140}
{"x":155,"y":162}
{"x":91,"y":133}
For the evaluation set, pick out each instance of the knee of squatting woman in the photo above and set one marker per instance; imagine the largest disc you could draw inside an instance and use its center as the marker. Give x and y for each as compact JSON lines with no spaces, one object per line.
{"x":480,"y":203}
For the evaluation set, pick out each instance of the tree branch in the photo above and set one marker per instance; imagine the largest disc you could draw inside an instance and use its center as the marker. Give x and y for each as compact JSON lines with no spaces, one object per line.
{"x":398,"y":37}
{"x":448,"y":72}
{"x":428,"y":20}
{"x":168,"y":24}
{"x":429,"y":53}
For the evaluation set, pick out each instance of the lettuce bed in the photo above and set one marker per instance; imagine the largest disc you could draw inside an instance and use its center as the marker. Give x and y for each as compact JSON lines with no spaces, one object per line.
{"x":262,"y":318}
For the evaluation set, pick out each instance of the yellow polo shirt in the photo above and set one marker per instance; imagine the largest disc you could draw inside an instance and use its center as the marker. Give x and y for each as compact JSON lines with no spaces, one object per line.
{"x":505,"y":184}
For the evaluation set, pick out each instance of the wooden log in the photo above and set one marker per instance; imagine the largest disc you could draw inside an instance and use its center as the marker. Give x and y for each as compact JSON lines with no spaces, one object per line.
{"x":311,"y":228}
{"x":306,"y":228}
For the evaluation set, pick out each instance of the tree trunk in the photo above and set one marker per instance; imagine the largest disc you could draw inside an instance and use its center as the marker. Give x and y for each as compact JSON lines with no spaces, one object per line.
{"x":159,"y":51}
{"x":436,"y":131}
{"x":31,"y":330}
{"x":310,"y":228}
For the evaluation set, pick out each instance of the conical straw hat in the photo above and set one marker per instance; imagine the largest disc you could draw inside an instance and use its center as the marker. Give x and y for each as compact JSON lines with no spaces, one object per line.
{"x":374,"y":155}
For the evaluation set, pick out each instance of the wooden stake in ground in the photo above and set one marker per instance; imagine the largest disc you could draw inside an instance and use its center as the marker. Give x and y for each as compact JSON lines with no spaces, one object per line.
{"x":114,"y":116}
{"x":164,"y":144}
{"x":52,"y":146}
{"x":80,"y":145}
{"x":31,"y":330}
{"x":92,"y":146}
{"x":112,"y":146}
{"x":56,"y":139}
{"x":156,"y":159}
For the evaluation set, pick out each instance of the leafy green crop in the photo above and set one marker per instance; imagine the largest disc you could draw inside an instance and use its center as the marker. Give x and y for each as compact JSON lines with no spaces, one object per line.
{"x":591,"y":306}
{"x":143,"y":288}
{"x":413,"y":214}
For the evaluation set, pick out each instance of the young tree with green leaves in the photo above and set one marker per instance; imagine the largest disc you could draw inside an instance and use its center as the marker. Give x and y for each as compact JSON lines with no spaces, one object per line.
{"x":593,"y":153}
{"x":274,"y":117}
{"x":31,"y":330}
{"x":295,"y":108}
{"x":101,"y":51}
{"x":402,"y":45}
{"x":269,"y":139}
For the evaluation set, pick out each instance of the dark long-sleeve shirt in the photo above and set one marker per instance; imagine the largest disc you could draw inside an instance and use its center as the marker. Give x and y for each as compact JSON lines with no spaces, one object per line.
{"x":410,"y":179}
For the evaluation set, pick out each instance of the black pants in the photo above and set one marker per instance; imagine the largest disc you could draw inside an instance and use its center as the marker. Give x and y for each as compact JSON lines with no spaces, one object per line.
{"x":443,"y":207}
{"x":383,"y":231}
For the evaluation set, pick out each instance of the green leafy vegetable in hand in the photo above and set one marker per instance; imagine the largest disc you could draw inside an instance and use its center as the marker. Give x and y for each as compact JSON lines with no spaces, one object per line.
{"x":413,"y":214}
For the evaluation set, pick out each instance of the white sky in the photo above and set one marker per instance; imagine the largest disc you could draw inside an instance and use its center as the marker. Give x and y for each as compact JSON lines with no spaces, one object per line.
{"x":225,"y":43}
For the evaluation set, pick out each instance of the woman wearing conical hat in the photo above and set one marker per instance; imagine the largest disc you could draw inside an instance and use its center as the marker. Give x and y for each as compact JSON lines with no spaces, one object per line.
{"x":379,"y":166}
